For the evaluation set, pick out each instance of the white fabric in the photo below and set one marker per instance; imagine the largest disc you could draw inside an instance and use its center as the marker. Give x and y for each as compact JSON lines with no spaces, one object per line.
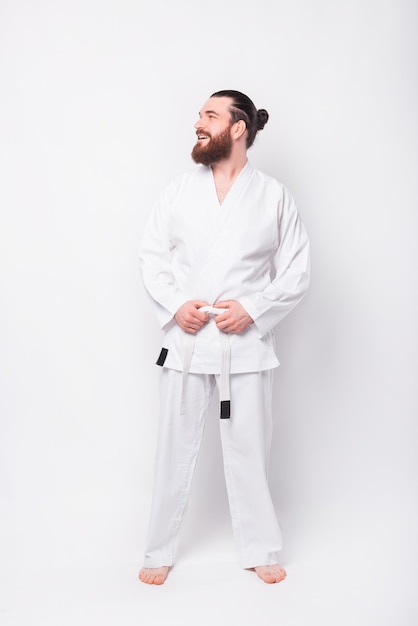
{"x":225,"y":352}
{"x":224,"y":386}
{"x":246,"y":439}
{"x":252,"y":248}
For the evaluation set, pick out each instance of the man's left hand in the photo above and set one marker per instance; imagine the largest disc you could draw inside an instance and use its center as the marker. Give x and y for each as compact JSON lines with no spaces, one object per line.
{"x":235,"y":319}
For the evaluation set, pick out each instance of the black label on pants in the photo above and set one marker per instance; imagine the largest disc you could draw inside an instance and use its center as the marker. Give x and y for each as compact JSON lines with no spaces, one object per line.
{"x":225,"y":409}
{"x":163,"y":355}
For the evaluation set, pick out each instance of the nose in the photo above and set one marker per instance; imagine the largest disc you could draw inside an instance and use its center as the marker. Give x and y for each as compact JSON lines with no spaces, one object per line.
{"x":198,"y":124}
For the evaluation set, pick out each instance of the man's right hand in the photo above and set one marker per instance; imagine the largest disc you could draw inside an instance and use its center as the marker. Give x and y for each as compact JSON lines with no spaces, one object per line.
{"x":189,"y":318}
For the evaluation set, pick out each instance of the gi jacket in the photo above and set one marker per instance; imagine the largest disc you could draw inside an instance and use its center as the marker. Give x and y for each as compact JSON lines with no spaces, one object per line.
{"x":252,"y":248}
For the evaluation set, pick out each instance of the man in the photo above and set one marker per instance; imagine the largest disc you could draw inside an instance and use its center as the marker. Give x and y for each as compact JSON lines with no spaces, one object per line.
{"x":224,"y":258}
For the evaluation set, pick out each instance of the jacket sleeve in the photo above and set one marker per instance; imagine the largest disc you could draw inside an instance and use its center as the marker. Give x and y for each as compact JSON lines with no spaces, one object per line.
{"x":290,"y":271}
{"x":155,"y":263}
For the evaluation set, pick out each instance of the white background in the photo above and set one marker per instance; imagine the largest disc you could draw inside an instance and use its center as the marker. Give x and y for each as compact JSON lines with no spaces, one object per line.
{"x":97,"y":105}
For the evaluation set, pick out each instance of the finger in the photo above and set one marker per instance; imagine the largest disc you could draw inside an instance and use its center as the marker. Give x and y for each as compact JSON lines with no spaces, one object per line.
{"x":195,"y":323}
{"x":194,"y":317}
{"x":201,"y":317}
{"x":222,"y":324}
{"x":223,"y":305}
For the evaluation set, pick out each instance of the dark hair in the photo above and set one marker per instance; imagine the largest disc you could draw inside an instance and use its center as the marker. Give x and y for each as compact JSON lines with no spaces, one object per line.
{"x":243,"y":108}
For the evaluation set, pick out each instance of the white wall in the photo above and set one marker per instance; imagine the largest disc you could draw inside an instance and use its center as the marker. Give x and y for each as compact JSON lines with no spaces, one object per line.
{"x":97,"y":106}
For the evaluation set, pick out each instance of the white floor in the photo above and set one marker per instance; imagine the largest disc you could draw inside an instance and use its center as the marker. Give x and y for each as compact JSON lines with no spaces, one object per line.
{"x":208,"y":594}
{"x":328,"y":583}
{"x":350,"y":551}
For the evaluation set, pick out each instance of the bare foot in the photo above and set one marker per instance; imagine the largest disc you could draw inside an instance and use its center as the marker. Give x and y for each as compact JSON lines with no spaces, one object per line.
{"x":153,"y":575}
{"x":270,"y":573}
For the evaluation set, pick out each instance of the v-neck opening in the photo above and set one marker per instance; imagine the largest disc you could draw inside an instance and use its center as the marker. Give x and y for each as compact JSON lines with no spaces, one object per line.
{"x":227,"y":195}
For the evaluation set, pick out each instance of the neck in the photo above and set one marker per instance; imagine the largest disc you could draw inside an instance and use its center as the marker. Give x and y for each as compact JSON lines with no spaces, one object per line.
{"x":225,"y":172}
{"x":228,"y":169}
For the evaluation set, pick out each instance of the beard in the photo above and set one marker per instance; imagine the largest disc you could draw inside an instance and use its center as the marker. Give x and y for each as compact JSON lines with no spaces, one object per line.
{"x":218,"y":147}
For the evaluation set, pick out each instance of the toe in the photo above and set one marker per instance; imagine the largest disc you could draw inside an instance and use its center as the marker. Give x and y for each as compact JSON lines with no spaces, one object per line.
{"x":153,"y":576}
{"x":159,"y":580}
{"x":144,"y":576}
{"x":271,"y":573}
{"x":269,"y":578}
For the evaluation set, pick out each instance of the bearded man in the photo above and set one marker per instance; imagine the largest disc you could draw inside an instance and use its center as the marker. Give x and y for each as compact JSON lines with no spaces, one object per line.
{"x":224,"y":258}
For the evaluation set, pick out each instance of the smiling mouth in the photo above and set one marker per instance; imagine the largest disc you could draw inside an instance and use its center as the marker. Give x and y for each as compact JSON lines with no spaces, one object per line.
{"x":201,"y":137}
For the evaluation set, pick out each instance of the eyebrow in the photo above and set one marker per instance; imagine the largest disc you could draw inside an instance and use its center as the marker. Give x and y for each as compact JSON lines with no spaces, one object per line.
{"x":209,"y":111}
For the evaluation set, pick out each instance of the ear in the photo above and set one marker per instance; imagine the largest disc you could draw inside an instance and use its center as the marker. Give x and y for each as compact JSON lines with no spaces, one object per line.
{"x":238,"y":129}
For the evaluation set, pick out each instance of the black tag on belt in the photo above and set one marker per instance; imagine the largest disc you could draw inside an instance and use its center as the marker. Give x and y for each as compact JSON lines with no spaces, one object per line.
{"x":225,"y":409}
{"x":163,"y":355}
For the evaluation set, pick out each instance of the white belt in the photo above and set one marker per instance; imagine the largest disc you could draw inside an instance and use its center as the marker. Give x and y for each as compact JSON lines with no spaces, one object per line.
{"x":224,"y":390}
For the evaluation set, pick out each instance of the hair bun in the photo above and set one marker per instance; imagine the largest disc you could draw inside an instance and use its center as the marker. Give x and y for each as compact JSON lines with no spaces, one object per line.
{"x":262,"y":118}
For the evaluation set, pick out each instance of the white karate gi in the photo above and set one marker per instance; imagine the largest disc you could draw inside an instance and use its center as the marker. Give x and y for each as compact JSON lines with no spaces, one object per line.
{"x":252,"y":248}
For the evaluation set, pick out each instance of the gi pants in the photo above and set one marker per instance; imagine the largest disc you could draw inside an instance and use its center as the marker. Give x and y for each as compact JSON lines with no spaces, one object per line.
{"x":246,"y":439}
